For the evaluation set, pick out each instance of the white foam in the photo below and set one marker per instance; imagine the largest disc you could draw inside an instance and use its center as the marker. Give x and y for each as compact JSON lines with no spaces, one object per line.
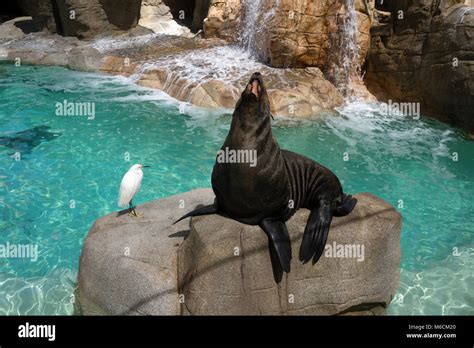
{"x":226,"y":63}
{"x":402,"y":136}
{"x":106,"y":44}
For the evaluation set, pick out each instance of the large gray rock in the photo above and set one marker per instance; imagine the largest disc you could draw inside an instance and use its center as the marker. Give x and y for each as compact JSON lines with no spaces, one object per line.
{"x":129,"y":265}
{"x":44,"y":49}
{"x":215,"y":265}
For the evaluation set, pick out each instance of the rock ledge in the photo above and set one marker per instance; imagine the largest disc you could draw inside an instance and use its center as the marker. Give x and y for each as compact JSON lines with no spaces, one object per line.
{"x":217,"y":266}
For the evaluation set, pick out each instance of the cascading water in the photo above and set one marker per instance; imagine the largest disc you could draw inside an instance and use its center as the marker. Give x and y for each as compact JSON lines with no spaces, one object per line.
{"x":250,"y":27}
{"x":252,"y":36}
{"x":342,"y":67}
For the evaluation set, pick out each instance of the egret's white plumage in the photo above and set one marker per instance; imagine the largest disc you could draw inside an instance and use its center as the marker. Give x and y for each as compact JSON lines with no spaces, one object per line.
{"x":130,"y":184}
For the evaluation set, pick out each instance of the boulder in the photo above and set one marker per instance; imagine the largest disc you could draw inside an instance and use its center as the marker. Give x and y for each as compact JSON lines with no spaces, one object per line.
{"x":215,"y":265}
{"x":42,"y":48}
{"x":309,"y":93}
{"x":154,"y":78}
{"x":300,"y":93}
{"x":85,"y":59}
{"x":129,"y":265}
{"x":118,"y":65}
{"x":214,"y":93}
{"x":157,"y":16}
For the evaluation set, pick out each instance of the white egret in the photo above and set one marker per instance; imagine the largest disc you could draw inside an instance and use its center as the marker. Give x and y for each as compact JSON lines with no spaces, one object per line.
{"x":129,"y":187}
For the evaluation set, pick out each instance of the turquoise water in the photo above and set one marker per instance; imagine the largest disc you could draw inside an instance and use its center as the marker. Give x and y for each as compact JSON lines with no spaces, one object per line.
{"x":69,"y":175}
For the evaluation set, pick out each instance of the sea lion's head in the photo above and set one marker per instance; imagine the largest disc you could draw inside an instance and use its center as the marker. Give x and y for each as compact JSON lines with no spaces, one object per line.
{"x":254,"y":101}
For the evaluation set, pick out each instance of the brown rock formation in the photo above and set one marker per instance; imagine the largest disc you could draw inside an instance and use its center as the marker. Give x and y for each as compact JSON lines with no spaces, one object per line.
{"x":423,"y":51}
{"x":290,"y":33}
{"x":223,"y":20}
{"x":294,"y":93}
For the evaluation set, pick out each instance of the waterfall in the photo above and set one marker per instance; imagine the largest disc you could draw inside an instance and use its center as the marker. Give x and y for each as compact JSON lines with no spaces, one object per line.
{"x":250,"y":28}
{"x":342,"y":64}
{"x":252,"y":36}
{"x":342,"y":67}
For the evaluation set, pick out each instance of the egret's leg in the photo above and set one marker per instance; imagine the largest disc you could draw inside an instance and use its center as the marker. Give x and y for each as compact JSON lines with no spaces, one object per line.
{"x":131,"y":209}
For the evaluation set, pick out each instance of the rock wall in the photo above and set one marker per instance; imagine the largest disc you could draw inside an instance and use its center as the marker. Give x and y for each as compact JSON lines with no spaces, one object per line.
{"x":291,"y":33}
{"x":42,"y":13}
{"x":83,"y":19}
{"x":86,"y":19}
{"x":123,"y":14}
{"x":157,"y":16}
{"x":201,"y":9}
{"x":216,"y":266}
{"x":299,"y":33}
{"x":423,"y":51}
{"x":223,"y":20}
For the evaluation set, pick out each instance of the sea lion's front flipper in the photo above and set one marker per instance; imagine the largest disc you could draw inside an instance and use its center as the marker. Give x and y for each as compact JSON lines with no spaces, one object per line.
{"x":348,"y":203}
{"x":279,"y":245}
{"x":316,"y":232}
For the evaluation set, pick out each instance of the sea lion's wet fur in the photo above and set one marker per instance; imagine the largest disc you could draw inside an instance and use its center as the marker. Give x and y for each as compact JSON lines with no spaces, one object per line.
{"x":281,"y":183}
{"x":250,"y":194}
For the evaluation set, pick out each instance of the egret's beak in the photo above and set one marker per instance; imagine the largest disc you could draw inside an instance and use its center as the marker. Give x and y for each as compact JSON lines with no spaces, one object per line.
{"x":146,"y":166}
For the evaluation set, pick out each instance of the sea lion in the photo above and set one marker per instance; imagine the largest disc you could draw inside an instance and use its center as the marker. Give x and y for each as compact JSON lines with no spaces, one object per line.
{"x":280,"y":183}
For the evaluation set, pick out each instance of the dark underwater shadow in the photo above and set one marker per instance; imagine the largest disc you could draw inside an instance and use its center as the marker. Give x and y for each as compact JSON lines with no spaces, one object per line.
{"x":25,"y":141}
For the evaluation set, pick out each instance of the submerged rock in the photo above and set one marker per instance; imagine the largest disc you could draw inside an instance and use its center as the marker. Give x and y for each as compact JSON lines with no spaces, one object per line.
{"x":215,"y":265}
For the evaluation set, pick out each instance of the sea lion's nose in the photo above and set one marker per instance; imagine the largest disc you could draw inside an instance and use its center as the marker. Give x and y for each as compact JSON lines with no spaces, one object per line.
{"x":255,"y":88}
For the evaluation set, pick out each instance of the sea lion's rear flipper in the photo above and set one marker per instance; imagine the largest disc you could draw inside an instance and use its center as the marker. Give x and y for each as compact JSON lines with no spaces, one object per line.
{"x":279,"y":245}
{"x":348,"y":203}
{"x":316,"y":232}
{"x":206,"y":210}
